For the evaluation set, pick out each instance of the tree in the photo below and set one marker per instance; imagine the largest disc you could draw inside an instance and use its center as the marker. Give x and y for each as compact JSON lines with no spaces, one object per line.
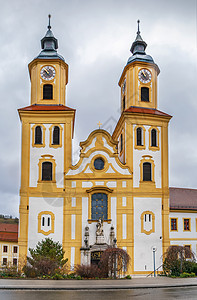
{"x":114,"y":262}
{"x":178,"y":259}
{"x":46,"y":259}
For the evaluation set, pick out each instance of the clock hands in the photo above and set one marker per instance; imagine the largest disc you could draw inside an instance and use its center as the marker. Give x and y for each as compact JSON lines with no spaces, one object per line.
{"x":46,"y":70}
{"x":144,"y":75}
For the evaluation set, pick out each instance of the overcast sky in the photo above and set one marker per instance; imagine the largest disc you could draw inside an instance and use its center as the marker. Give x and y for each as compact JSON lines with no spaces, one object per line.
{"x":94,"y":38}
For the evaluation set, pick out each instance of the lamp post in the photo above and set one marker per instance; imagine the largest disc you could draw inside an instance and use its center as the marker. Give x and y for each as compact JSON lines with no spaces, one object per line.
{"x":154,"y":250}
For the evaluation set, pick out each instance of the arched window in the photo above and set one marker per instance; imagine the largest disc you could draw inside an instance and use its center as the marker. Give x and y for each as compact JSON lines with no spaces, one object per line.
{"x":38,"y":135}
{"x":47,"y":91}
{"x":139,"y":136}
{"x":56,"y":135}
{"x":147,"y":176}
{"x":145,"y":94}
{"x":47,"y":171}
{"x":121,"y":143}
{"x":123,"y":103}
{"x":99,"y":206}
{"x":153,"y":138}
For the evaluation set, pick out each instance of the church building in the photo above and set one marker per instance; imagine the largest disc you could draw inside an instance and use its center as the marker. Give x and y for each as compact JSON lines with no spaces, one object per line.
{"x":118,"y":192}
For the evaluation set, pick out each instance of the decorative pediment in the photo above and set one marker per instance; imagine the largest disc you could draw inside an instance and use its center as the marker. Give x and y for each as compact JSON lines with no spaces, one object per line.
{"x":99,"y":157}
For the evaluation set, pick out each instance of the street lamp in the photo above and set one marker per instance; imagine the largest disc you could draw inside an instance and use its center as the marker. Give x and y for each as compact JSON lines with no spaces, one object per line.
{"x":154,"y":250}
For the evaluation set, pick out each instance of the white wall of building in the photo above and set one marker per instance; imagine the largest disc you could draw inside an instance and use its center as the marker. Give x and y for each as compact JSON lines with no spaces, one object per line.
{"x":181,"y":237}
{"x":143,"y":243}
{"x":38,"y":204}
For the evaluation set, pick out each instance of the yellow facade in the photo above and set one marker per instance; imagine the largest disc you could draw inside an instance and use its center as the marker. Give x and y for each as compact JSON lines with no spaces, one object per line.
{"x":117,"y":179}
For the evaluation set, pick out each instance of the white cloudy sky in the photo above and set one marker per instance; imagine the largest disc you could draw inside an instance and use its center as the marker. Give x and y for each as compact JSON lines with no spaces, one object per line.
{"x":95,"y":38}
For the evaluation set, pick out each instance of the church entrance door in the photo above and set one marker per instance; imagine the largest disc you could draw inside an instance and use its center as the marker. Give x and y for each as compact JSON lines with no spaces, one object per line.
{"x":95,"y":257}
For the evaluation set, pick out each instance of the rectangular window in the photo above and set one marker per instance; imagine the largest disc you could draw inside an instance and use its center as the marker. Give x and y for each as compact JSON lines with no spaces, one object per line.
{"x":173,"y":224}
{"x":15,"y":249}
{"x":186,"y":224}
{"x":14,"y":261}
{"x":49,"y":221}
{"x":5,"y":248}
{"x":5,"y":261}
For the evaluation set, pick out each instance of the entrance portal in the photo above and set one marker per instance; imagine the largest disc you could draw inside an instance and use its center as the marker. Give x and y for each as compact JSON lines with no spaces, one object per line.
{"x":95,"y":257}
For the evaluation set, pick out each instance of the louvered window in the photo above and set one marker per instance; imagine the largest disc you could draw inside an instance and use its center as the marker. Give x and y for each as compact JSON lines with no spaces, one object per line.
{"x":154,"y":138}
{"x":56,"y":135}
{"x":38,"y":135}
{"x":47,"y":171}
{"x":147,"y":171}
{"x":145,"y":94}
{"x":139,"y":136}
{"x":47,"y":91}
{"x":121,"y":143}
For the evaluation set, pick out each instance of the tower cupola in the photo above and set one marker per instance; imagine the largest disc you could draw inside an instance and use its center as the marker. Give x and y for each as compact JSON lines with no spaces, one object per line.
{"x":138,"y":48}
{"x":49,"y":44}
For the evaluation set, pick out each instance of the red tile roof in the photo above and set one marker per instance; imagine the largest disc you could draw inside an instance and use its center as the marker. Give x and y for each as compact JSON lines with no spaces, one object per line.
{"x":181,"y":198}
{"x":8,"y":232}
{"x":38,"y":107}
{"x":144,"y":110}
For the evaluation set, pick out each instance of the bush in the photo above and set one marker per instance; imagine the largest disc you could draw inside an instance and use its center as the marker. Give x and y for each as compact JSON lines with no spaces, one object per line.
{"x":91,"y":271}
{"x":47,"y":260}
{"x":185,"y":275}
{"x":176,"y":262}
{"x":194,"y":268}
{"x":10,"y":271}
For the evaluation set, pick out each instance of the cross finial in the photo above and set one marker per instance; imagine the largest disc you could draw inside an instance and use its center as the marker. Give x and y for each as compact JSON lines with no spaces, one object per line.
{"x":99,"y":124}
{"x":49,"y":26}
{"x":138,"y":27}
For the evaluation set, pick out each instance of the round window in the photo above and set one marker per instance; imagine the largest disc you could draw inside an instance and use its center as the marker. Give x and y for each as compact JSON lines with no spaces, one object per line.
{"x":99,"y":164}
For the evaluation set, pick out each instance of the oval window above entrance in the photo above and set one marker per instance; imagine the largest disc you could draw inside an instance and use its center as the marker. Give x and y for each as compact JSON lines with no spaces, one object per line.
{"x":99,"y":164}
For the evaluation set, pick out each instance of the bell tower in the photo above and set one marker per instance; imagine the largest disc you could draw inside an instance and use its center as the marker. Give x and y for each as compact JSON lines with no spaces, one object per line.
{"x":48,"y":73}
{"x":142,"y":133}
{"x":138,"y":81}
{"x":47,"y":132}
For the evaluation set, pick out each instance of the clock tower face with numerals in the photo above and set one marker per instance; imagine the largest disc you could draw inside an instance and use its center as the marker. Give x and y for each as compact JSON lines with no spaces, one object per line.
{"x":47,"y":73}
{"x":144,"y":75}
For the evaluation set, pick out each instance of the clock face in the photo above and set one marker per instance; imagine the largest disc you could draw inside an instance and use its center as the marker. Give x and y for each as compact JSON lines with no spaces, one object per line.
{"x":47,"y":73}
{"x":144,"y":75}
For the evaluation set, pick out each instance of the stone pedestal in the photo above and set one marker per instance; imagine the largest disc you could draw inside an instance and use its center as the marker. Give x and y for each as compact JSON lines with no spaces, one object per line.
{"x":100,"y":239}
{"x":85,"y":257}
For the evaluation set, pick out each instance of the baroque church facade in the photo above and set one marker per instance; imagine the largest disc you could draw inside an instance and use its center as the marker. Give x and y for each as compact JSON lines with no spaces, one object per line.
{"x":118,"y":192}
